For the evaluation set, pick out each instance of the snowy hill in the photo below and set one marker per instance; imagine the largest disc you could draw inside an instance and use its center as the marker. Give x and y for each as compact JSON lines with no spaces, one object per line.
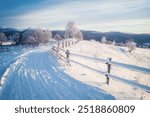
{"x":82,"y":68}
{"x":37,"y":73}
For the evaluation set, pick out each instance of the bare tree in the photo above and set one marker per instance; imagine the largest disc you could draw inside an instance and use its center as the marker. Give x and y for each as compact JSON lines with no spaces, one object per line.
{"x":72,"y":31}
{"x":131,"y":45}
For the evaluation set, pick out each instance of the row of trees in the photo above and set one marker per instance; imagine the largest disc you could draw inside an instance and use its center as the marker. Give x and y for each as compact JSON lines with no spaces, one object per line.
{"x":29,"y":36}
{"x":35,"y":36}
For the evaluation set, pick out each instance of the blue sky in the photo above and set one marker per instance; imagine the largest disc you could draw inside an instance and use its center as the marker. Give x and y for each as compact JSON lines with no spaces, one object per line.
{"x":101,"y":15}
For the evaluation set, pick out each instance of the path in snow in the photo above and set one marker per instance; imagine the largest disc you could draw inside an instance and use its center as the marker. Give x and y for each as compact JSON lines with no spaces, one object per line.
{"x":37,"y":75}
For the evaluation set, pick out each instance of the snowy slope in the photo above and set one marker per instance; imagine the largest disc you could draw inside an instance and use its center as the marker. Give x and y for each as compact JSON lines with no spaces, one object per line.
{"x":36,"y":74}
{"x":82,"y":68}
{"x":6,"y":58}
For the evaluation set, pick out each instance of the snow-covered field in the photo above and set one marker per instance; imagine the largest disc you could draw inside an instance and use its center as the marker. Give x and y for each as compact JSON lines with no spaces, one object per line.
{"x":37,"y":73}
{"x":81,"y":69}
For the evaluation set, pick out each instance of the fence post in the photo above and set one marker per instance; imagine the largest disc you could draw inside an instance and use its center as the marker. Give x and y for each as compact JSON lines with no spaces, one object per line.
{"x":108,"y":70}
{"x":107,"y":79}
{"x":67,"y":56}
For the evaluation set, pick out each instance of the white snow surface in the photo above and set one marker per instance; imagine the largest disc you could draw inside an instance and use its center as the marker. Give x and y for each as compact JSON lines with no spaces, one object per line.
{"x":82,"y":67}
{"x":36,"y":74}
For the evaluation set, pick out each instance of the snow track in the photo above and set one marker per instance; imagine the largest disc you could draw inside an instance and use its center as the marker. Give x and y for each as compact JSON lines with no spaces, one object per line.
{"x":37,"y":75}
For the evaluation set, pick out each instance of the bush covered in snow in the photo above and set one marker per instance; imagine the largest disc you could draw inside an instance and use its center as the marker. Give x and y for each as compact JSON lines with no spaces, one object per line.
{"x":131,"y":45}
{"x":103,"y":40}
{"x":36,"y":36}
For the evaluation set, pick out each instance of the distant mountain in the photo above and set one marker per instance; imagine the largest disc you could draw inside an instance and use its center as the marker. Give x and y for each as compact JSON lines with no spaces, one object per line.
{"x":123,"y":37}
{"x":9,"y":31}
{"x":140,"y":39}
{"x":117,"y":36}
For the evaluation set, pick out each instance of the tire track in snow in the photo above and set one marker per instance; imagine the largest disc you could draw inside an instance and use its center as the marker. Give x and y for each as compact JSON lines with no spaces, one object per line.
{"x":36,"y":75}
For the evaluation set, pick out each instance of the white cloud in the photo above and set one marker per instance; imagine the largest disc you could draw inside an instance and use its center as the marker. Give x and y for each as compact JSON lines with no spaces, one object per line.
{"x":112,"y":15}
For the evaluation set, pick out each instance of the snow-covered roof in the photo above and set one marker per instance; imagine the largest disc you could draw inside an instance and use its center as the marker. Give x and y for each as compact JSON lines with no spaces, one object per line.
{"x":8,"y":43}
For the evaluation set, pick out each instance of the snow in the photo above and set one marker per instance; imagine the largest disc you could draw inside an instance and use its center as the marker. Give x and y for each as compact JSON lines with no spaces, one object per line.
{"x":37,"y":74}
{"x":8,"y":43}
{"x":91,"y":71}
{"x":6,"y":58}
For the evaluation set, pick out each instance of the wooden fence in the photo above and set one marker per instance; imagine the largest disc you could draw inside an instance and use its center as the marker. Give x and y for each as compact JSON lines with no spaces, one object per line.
{"x":109,"y":64}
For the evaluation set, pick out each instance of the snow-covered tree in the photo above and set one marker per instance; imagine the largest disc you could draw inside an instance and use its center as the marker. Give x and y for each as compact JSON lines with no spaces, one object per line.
{"x":30,"y":40}
{"x":2,"y":38}
{"x":16,"y":37}
{"x":114,"y":43}
{"x":72,"y":31}
{"x":131,"y":45}
{"x":80,"y":35}
{"x":103,"y":39}
{"x":39,"y":35}
{"x":47,"y":35}
{"x":57,"y":37}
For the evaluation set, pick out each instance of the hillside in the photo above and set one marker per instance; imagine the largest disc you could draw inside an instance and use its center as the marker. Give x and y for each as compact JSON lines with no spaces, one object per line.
{"x":90,"y":71}
{"x":38,"y":73}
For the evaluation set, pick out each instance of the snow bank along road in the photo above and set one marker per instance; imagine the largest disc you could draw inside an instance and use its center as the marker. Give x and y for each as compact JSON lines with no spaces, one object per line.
{"x":37,"y":75}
